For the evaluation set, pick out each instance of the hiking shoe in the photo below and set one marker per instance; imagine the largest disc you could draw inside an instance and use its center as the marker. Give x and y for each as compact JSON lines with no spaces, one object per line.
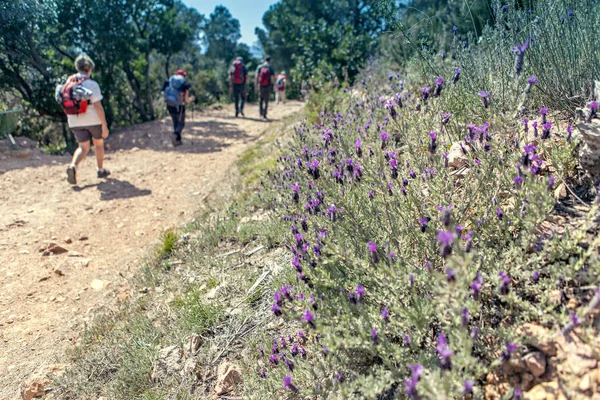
{"x":176,"y":140}
{"x":71,"y":175}
{"x":236,"y":114}
{"x":242,"y":112}
{"x":103,"y":173}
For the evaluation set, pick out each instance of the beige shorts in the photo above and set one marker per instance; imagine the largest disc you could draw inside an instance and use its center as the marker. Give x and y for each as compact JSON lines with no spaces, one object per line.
{"x":86,"y":133}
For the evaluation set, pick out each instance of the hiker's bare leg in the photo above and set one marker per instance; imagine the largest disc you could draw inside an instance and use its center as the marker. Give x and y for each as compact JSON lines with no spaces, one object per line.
{"x":99,"y":149}
{"x":80,"y":153}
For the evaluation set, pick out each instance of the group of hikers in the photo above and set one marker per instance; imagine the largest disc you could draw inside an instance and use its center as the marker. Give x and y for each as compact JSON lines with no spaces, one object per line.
{"x":80,"y":97}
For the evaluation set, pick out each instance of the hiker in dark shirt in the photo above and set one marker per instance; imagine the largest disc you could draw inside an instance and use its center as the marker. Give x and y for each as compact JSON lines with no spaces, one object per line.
{"x":238,"y":80}
{"x":176,"y":91}
{"x":264,"y":84}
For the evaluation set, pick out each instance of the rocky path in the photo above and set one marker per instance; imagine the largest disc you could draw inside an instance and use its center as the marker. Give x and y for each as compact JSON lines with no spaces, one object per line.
{"x":67,"y":251}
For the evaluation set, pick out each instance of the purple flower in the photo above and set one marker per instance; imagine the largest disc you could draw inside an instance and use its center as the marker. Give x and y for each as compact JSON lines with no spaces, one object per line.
{"x":535,"y":277}
{"x":499,"y":213}
{"x":425,"y":92}
{"x":525,"y":126}
{"x":446,"y":239}
{"x":457,"y":72}
{"x":444,"y":352}
{"x":510,"y":348}
{"x":273,"y":359}
{"x":424,"y":222}
{"x":411,"y":279}
{"x":520,"y":56}
{"x":504,"y":283}
{"x":374,"y":337}
{"x":358,"y":146}
{"x":518,"y":180}
{"x":532,"y":80}
{"x":450,"y":275}
{"x":569,"y":133}
{"x":262,"y":351}
{"x":574,"y":318}
{"x":263,"y":373}
{"x":373,"y":252}
{"x":309,"y":318}
{"x":410,"y":386}
{"x":477,"y":285}
{"x":551,"y":181}
{"x":287,"y":383}
{"x":439,"y":81}
{"x":433,"y":144}
{"x":485,"y":98}
{"x":325,"y":350}
{"x":276,"y":309}
{"x":517,"y":394}
{"x":546,"y":131}
{"x":467,"y":387}
{"x":407,"y":340}
{"x":445,"y":118}
{"x":464,"y":320}
{"x":454,"y":30}
{"x":385,"y":314}
{"x":360,"y":292}
{"x":371,"y":194}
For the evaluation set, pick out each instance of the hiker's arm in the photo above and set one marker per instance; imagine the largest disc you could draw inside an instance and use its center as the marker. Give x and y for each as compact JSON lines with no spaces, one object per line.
{"x":100,"y":111}
{"x":187,"y":97}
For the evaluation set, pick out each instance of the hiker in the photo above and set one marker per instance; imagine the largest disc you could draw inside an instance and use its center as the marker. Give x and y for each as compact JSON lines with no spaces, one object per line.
{"x":80,"y":98}
{"x":280,"y":81}
{"x":264,"y":82}
{"x":238,"y":79}
{"x":176,"y":91}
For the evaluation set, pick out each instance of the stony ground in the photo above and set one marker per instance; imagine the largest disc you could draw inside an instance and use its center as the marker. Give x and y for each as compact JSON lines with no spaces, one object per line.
{"x":67,"y":251}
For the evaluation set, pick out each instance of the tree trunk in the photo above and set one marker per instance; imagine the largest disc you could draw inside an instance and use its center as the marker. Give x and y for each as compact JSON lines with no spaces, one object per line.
{"x":149,"y":99}
{"x":135,"y":85}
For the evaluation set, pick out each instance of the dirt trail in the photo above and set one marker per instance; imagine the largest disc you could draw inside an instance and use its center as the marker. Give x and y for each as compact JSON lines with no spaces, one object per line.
{"x":107,"y":227}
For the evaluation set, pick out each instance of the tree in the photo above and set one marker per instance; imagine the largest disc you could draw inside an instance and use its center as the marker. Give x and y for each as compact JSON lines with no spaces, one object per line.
{"x":322,"y":39}
{"x":221,"y":35}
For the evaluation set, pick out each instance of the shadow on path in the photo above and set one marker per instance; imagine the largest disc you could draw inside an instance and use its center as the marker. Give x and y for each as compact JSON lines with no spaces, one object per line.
{"x":112,"y":189}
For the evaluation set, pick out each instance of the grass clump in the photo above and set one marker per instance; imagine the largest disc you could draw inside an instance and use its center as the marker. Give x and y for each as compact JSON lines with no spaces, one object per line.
{"x":197,"y":315}
{"x":168,"y":241}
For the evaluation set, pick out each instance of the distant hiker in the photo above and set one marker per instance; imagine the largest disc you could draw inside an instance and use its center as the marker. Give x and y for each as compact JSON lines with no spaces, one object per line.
{"x":76,"y":96}
{"x":264,"y":83}
{"x":176,"y":91}
{"x":238,"y":79}
{"x":280,"y":81}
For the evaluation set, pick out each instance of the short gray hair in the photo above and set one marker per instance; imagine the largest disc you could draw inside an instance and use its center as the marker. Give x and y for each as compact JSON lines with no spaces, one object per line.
{"x":84,"y":63}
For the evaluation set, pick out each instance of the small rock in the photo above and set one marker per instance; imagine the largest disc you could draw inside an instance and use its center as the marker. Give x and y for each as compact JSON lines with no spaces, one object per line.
{"x":546,"y":391}
{"x":560,"y":192}
{"x":228,"y":375}
{"x":585,"y":383}
{"x":194,"y":344}
{"x":555,"y":296}
{"x":52,"y":248}
{"x":536,"y":363}
{"x":97,"y":284}
{"x":24,"y":252}
{"x":456,"y":157}
{"x":538,"y":337}
{"x":68,"y":240}
{"x":168,"y":363}
{"x":39,"y":383}
{"x":83,"y":237}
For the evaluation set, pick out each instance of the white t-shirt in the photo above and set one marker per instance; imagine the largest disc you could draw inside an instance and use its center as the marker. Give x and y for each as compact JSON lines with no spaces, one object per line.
{"x":90,"y":116}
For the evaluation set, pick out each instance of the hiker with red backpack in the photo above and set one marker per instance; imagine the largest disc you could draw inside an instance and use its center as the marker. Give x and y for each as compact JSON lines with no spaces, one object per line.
{"x":176,"y":93}
{"x":238,"y":79}
{"x":80,"y":98}
{"x":264,"y":83}
{"x":280,"y":81}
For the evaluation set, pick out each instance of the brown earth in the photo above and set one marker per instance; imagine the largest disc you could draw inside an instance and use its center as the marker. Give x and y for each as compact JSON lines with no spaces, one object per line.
{"x":105,"y":226}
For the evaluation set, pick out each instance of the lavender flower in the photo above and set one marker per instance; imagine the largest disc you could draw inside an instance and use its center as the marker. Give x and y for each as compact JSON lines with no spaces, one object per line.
{"x":446,"y":239}
{"x":289,"y":364}
{"x":535,"y":277}
{"x":424,"y":222}
{"x":544,"y":113}
{"x":433,"y":144}
{"x":551,"y":181}
{"x":467,"y":387}
{"x":518,"y":180}
{"x":389,"y":104}
{"x":444,"y":352}
{"x":457,"y":72}
{"x":532,"y":80}
{"x":407,"y":340}
{"x":358,"y":146}
{"x":477,"y":285}
{"x":425,"y":92}
{"x":410,"y":386}
{"x":276,"y":309}
{"x":450,"y":275}
{"x":294,"y":349}
{"x":574,"y":318}
{"x":504,"y":283}
{"x":439,"y":82}
{"x":485,"y":98}
{"x":273,"y":359}
{"x":546,"y":131}
{"x":506,"y":353}
{"x":525,"y":124}
{"x":520,"y":56}
{"x":384,"y":137}
{"x":309,"y":318}
{"x":360,"y":292}
{"x":372,"y":246}
{"x":287,"y":384}
{"x":261,"y":351}
{"x":446,"y":118}
{"x":499,"y":213}
{"x":593,"y":110}
{"x":385,"y":314}
{"x":374,"y":337}
{"x":263,"y":373}
{"x":464,"y":320}
{"x":569,"y":133}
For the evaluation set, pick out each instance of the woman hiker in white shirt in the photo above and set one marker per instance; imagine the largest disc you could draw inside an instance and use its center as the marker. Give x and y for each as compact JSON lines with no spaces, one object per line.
{"x":89,"y":124}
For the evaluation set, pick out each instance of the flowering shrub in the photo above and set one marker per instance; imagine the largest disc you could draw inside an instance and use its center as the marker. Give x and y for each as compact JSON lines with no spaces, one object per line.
{"x":412,"y":274}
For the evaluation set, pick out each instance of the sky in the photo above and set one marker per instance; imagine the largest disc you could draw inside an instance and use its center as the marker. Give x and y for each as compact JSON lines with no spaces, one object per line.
{"x":248,"y":12}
